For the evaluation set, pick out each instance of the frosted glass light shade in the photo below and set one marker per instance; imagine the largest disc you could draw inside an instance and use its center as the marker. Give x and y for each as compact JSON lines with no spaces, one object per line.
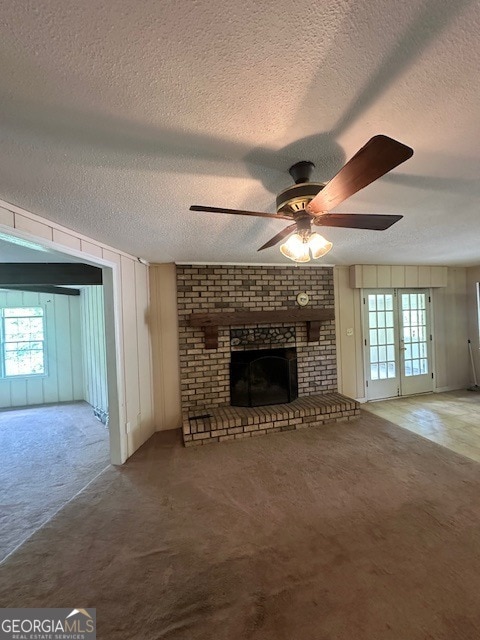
{"x":296,"y":249}
{"x":318,"y":245}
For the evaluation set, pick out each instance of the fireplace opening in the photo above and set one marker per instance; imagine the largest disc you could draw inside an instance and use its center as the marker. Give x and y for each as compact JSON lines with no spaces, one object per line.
{"x":261,"y":377}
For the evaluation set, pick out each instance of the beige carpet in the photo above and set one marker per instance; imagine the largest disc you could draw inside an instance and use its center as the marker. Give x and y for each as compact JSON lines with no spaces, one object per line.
{"x":352,"y":531}
{"x":47,"y":455}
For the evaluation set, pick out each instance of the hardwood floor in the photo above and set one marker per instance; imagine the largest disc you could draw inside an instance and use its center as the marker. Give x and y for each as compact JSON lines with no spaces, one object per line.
{"x":451,"y":419}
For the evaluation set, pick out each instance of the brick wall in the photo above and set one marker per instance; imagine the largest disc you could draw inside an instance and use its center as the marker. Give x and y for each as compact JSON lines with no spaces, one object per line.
{"x":203,"y":289}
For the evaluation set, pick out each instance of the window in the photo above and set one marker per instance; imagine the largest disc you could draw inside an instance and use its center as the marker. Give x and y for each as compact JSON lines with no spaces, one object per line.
{"x":22,"y":334}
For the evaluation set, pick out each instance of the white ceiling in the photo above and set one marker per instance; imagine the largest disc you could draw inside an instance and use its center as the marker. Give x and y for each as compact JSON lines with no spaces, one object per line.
{"x":116,"y":116}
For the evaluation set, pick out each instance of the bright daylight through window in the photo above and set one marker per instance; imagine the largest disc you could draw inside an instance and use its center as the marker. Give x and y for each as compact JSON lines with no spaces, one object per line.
{"x":22,"y":341}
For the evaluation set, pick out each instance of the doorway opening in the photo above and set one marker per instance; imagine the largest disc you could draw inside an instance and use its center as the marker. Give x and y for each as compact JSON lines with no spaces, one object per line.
{"x":59,"y":399}
{"x":397,"y":342}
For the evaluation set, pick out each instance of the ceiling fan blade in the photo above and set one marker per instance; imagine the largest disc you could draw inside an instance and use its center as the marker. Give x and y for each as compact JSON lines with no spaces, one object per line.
{"x":357,"y":220}
{"x":380,"y":155}
{"x":239,"y":212}
{"x":280,"y":236}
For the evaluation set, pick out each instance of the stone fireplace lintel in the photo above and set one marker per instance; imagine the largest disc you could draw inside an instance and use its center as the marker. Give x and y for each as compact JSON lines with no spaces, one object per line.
{"x":211,"y":321}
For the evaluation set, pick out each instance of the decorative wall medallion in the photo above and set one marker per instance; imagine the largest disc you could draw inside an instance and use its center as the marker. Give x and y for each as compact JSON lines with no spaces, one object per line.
{"x":303,"y":298}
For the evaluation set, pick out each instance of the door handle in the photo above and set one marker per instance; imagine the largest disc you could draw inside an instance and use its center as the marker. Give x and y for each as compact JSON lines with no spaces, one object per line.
{"x":403,"y":348}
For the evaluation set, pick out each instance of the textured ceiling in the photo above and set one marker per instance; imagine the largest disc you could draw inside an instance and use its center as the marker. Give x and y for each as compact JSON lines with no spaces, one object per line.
{"x":116,"y":116}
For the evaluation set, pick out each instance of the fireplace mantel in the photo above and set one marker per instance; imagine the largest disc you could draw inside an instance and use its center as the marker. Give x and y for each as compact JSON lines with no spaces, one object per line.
{"x":211,"y":321}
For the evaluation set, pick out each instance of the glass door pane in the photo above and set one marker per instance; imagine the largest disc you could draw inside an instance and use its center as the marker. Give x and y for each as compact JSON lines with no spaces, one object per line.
{"x":382,"y":343}
{"x":381,"y":351}
{"x":415,"y":342}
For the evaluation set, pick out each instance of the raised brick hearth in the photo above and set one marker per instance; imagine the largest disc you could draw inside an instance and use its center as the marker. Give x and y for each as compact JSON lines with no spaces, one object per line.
{"x":233,"y":423}
{"x":205,"y":353}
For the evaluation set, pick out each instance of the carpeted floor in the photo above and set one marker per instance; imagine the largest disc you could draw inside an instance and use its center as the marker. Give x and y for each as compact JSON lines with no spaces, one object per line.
{"x":357,"y":530}
{"x":47,"y":455}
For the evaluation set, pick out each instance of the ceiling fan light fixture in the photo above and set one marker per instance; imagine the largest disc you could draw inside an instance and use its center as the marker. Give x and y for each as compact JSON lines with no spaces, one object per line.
{"x":296,"y":248}
{"x":299,"y":246}
{"x":318,"y":245}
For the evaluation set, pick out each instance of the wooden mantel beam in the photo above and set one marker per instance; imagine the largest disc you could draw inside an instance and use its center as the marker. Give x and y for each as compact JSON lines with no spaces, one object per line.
{"x":231,"y":318}
{"x":211,"y":321}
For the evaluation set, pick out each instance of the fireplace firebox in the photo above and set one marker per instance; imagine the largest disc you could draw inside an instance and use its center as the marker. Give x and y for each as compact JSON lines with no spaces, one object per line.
{"x":262,"y":377}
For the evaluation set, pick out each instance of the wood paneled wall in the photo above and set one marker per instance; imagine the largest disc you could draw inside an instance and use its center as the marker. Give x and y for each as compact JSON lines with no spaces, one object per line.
{"x":450,"y":330}
{"x":449,"y":298}
{"x":63,"y":381}
{"x":349,"y":347}
{"x":473,"y":278}
{"x":94,"y":347}
{"x":166,"y":365}
{"x":385,"y":276}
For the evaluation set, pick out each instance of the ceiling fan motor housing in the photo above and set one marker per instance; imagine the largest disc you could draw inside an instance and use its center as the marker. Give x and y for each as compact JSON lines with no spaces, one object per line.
{"x":301,"y":171}
{"x":296,"y":198}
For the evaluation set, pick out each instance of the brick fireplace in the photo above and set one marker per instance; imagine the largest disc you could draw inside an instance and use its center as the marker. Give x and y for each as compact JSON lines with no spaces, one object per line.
{"x":226,"y":292}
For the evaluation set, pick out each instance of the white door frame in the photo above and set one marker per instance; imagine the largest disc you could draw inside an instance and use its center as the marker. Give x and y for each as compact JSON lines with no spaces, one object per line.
{"x":113,"y":311}
{"x":390,"y":385}
{"x":399,"y":356}
{"x":411,"y":385}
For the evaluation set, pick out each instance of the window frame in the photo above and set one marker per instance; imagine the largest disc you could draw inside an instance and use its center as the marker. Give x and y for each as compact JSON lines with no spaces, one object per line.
{"x":3,"y":342}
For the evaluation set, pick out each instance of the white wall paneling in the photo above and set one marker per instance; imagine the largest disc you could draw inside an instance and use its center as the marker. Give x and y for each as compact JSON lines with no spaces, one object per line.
{"x":63,"y":381}
{"x":94,"y":347}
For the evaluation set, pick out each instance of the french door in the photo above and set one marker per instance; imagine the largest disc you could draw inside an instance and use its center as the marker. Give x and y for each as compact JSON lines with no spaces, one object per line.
{"x":398,"y":342}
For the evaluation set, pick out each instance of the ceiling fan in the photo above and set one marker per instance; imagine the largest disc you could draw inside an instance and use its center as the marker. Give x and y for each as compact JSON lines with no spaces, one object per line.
{"x":311,"y":202}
